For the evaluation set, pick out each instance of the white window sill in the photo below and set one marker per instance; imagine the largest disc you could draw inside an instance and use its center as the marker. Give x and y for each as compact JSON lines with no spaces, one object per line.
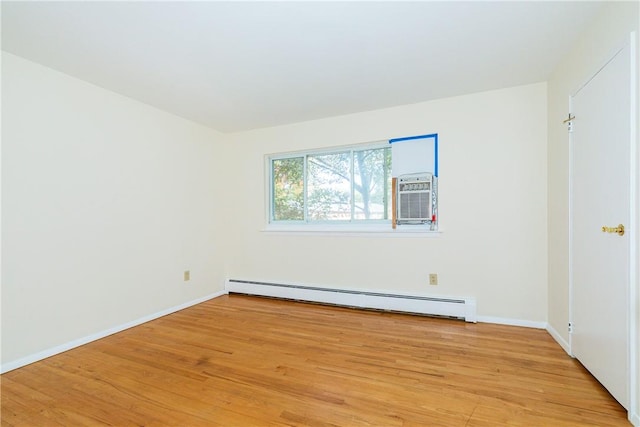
{"x":369,"y":230}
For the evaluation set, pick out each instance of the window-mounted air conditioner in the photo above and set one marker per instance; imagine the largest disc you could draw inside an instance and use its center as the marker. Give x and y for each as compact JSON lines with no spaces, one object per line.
{"x":415,"y":198}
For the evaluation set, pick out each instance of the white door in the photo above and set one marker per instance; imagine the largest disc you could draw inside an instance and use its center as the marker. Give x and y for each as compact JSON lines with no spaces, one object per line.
{"x":601,"y":159}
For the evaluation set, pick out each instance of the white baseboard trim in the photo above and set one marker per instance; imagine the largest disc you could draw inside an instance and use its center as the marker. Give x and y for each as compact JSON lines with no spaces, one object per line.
{"x":635,"y":419}
{"x":15,"y":364}
{"x":556,"y":336}
{"x":512,"y":322}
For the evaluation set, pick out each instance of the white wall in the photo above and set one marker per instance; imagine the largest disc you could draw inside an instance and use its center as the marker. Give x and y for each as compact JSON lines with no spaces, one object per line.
{"x":492,"y":205}
{"x":105,"y":201}
{"x":607,"y":33}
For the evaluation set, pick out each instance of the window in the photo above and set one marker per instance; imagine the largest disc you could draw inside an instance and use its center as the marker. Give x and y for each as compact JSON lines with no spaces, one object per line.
{"x":346,"y":185}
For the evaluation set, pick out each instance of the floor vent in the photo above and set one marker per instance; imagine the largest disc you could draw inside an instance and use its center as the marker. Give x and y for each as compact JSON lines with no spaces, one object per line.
{"x":461,"y":308}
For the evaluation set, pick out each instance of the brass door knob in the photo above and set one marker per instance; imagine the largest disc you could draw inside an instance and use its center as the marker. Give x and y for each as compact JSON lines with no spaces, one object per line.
{"x":619,"y":229}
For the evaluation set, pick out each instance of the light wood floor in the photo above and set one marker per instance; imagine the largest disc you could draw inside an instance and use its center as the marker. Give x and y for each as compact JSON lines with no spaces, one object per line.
{"x":246,"y":361}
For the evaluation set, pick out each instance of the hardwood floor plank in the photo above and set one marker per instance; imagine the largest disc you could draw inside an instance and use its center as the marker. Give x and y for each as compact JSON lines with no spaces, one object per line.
{"x":247,"y":361}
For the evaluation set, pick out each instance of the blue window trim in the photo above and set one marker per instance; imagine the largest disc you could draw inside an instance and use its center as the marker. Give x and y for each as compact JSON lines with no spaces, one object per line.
{"x":432,"y":135}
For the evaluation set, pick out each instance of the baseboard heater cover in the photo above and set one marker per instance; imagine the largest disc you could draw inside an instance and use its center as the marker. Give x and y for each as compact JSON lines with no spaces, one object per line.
{"x":462,"y":308}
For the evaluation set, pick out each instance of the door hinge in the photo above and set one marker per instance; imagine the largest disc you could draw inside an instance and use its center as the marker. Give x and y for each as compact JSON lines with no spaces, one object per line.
{"x":570,"y":328}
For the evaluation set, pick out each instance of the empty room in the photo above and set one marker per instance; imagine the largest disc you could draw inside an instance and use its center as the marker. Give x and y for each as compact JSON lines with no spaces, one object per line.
{"x":300,"y":213}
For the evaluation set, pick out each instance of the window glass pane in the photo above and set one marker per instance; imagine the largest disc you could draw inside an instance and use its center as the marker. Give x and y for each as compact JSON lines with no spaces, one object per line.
{"x":329,"y":188}
{"x":288,"y":189}
{"x":372,"y":183}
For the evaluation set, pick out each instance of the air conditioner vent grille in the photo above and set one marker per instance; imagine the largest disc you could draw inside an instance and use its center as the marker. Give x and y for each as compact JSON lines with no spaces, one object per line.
{"x":415,"y":206}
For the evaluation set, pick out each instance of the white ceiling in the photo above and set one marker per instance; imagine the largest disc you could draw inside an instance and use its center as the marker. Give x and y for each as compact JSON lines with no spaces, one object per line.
{"x":240,"y":65}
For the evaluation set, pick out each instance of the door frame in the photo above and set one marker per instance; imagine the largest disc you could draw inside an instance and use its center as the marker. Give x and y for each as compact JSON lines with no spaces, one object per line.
{"x":634,"y":236}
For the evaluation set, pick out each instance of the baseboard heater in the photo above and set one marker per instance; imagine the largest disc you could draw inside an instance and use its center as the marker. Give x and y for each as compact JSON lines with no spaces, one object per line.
{"x":461,"y":308}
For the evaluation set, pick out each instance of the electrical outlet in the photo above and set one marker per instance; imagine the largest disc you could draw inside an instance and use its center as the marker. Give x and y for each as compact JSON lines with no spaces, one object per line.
{"x":433,"y":279}
{"x":187,"y":275}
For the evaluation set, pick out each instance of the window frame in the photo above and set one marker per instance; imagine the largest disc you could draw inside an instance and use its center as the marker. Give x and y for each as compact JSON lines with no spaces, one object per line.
{"x":306,"y":223}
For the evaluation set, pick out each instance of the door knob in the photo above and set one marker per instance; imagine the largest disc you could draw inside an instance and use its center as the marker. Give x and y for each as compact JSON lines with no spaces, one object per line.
{"x":619,"y":229}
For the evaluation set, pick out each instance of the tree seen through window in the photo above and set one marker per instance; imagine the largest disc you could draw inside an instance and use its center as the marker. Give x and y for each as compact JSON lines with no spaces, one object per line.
{"x":350,"y":185}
